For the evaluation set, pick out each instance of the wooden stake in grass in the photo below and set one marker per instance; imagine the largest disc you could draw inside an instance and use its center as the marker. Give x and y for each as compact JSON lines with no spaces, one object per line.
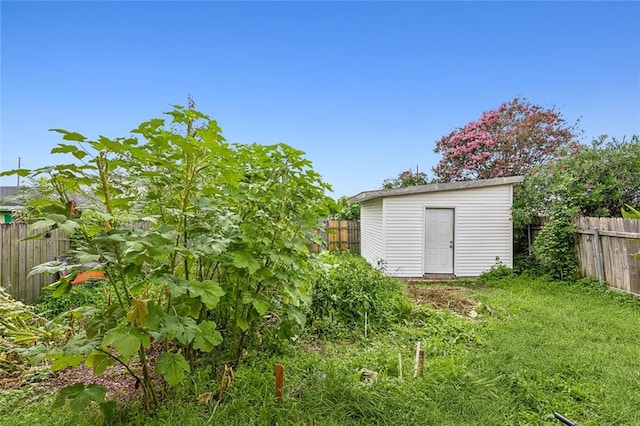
{"x":421,"y":363}
{"x":417,"y":360}
{"x":399,"y":365}
{"x":279,"y":382}
{"x":366,"y":324}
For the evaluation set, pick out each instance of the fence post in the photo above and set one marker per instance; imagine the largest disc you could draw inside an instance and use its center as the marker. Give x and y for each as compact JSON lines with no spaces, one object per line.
{"x":598,"y":249}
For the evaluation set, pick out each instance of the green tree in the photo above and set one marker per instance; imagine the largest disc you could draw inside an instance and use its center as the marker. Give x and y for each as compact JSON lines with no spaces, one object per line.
{"x":585,"y":180}
{"x":588,"y":180}
{"x":343,"y":210}
{"x":405,"y":179}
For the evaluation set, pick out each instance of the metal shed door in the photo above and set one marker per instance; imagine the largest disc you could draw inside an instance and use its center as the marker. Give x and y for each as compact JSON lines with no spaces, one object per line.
{"x":438,"y":250}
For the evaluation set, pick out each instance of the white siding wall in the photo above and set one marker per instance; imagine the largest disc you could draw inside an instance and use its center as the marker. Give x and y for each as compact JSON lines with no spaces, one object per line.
{"x":371,"y":247}
{"x":483,"y":229}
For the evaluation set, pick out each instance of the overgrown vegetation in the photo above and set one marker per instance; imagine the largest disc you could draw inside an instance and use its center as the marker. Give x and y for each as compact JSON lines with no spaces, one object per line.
{"x":93,"y":293}
{"x":350,"y":295}
{"x":538,"y":347}
{"x":584,"y":180}
{"x":204,"y":245}
{"x":343,"y":210}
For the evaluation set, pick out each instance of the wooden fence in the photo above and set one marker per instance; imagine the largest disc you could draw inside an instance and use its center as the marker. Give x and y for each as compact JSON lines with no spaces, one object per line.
{"x":17,"y":258}
{"x":340,"y":234}
{"x":604,"y":249}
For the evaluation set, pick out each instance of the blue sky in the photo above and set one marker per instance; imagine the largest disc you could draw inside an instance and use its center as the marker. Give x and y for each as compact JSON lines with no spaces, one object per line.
{"x":364,"y":88}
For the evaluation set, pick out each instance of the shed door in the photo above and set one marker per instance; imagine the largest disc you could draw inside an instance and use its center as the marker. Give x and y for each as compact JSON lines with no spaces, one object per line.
{"x":438,"y":250}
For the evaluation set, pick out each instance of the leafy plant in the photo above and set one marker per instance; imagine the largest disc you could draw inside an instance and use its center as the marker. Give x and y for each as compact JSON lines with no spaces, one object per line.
{"x":405,"y":179}
{"x":553,"y":246}
{"x":585,"y":180}
{"x":343,"y":210}
{"x":89,"y":294}
{"x":497,"y":271}
{"x":201,"y":243}
{"x":596,"y":179}
{"x":348,"y":289}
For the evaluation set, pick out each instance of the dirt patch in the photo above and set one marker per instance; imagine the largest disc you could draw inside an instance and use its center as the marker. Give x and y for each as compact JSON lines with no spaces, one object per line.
{"x":442,"y":297}
{"x":120,"y":386}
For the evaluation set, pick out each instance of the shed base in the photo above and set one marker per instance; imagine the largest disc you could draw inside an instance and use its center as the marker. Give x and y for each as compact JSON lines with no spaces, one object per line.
{"x":439,"y":276}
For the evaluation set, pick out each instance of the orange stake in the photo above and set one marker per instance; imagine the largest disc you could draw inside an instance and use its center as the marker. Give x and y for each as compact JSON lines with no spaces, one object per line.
{"x":279,"y":382}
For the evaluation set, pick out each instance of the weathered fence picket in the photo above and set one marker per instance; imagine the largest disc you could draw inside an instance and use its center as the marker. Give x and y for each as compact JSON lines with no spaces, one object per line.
{"x":17,"y":258}
{"x":616,"y":241}
{"x":339,"y":234}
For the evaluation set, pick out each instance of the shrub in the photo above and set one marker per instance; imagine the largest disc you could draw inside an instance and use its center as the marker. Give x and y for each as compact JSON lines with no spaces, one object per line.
{"x":204,"y":274}
{"x":553,"y":247}
{"x":89,"y":294}
{"x":497,"y":272}
{"x":347,"y":288}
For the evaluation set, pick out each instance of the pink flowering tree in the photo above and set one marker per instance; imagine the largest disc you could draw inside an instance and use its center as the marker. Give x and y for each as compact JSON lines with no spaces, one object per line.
{"x":507,"y":141}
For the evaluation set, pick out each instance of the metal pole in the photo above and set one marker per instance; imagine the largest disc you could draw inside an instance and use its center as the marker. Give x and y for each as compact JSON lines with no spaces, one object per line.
{"x":564,"y":420}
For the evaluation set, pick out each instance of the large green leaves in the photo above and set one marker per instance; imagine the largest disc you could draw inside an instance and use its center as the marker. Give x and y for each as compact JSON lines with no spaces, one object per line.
{"x":172,"y":366}
{"x":209,"y":292}
{"x":187,"y":228}
{"x":245,"y":260}
{"x":126,"y":340}
{"x":80,"y":396}
{"x":182,"y":328}
{"x":99,"y":361}
{"x":207,"y":337}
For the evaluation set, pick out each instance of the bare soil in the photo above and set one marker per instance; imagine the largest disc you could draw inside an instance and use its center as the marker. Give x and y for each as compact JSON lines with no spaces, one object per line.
{"x":442,"y":297}
{"x":120,"y":385}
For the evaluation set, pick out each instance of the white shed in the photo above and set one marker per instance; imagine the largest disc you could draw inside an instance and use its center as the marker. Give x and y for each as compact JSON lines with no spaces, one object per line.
{"x":455,"y":229}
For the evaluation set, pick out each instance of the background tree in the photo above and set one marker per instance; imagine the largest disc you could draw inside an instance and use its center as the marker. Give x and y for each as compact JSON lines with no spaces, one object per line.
{"x":343,"y":210}
{"x":405,"y":179}
{"x":584,"y":180}
{"x":507,"y":141}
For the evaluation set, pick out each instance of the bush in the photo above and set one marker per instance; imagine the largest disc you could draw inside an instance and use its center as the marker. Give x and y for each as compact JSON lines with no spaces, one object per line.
{"x":89,"y":294}
{"x":347,"y":288}
{"x":497,"y":272}
{"x":553,"y":247}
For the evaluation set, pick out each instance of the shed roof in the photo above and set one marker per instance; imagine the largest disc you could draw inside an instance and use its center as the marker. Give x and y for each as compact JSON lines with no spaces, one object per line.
{"x":434,"y":187}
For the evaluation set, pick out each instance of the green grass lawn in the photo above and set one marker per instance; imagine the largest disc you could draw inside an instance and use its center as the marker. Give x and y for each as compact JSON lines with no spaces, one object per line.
{"x":535,"y":348}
